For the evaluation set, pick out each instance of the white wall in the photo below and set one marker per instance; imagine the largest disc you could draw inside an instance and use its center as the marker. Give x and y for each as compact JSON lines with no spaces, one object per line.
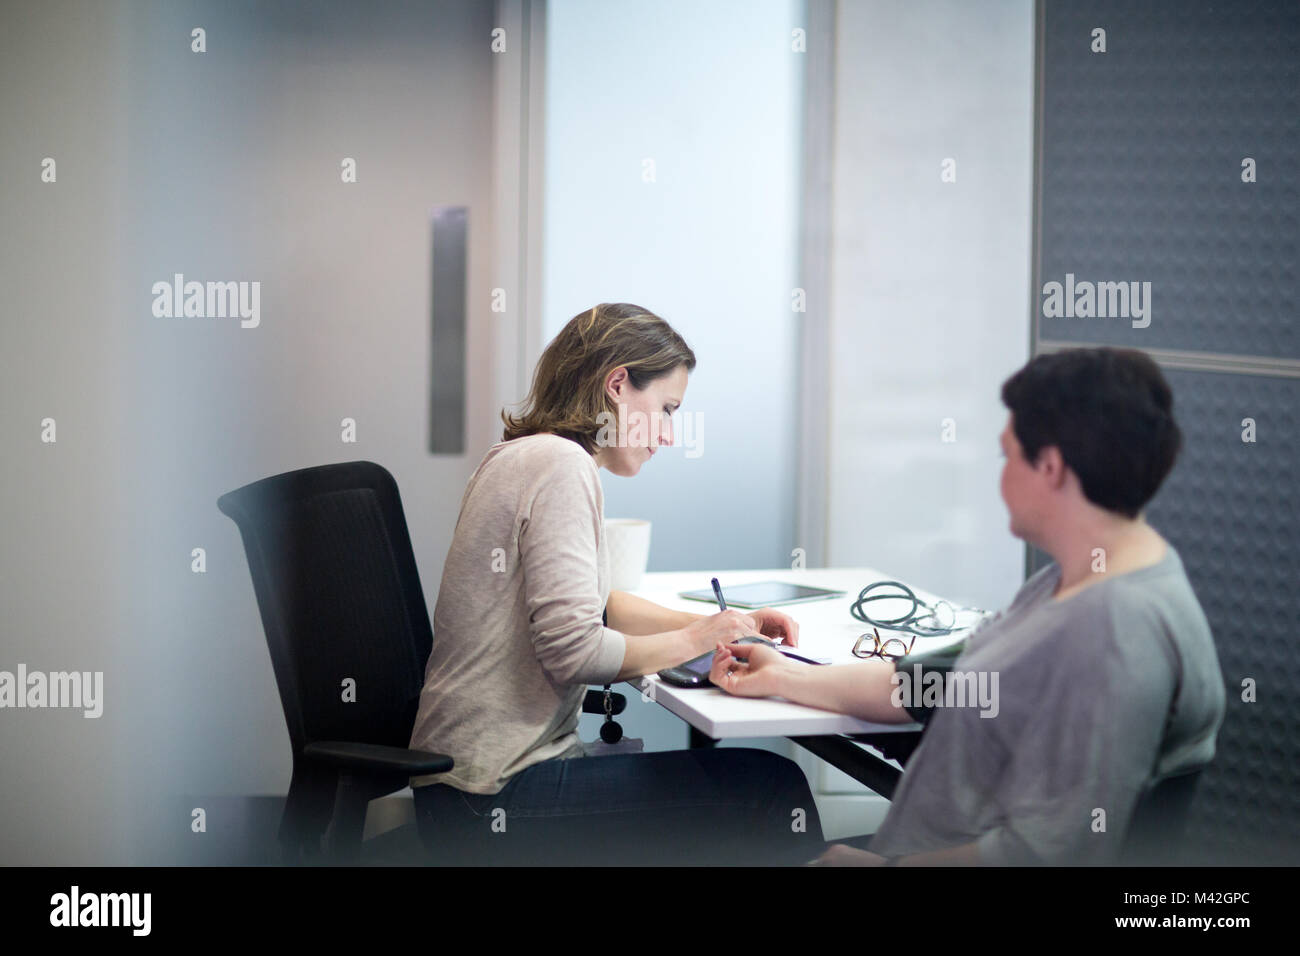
{"x":929,"y":304}
{"x":63,"y":583}
{"x":710,"y":92}
{"x":930,"y":280}
{"x":223,"y":166}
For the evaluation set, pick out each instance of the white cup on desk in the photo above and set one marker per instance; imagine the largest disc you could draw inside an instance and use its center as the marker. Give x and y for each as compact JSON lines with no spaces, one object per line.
{"x":628,"y":541}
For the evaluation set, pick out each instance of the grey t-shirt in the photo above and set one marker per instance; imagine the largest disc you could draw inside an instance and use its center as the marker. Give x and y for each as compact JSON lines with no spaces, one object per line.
{"x":1099,"y":696}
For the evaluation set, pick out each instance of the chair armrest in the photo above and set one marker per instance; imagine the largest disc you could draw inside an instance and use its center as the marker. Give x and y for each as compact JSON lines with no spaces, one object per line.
{"x":375,"y":758}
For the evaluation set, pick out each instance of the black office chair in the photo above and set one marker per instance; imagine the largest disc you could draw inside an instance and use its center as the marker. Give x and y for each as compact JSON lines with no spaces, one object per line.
{"x":349,"y":635}
{"x":1155,"y":831}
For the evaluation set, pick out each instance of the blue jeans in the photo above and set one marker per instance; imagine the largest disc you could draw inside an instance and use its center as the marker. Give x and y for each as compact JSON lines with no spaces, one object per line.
{"x":683,"y":807}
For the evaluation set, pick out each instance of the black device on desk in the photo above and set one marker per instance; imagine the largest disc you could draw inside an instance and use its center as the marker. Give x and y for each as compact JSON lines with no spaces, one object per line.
{"x":695,"y":673}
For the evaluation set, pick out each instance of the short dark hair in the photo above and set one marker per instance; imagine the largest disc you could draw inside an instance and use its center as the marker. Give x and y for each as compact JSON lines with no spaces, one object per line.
{"x":1111,"y":414}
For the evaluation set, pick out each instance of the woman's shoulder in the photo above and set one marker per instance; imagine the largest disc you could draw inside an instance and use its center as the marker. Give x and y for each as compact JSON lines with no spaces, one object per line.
{"x":539,"y":449}
{"x":548,"y":465}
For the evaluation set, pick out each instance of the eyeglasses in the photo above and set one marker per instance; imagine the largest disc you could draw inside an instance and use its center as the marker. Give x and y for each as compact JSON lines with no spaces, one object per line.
{"x":888,"y":650}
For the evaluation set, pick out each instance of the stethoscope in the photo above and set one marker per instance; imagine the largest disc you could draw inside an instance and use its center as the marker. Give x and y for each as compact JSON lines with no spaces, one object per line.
{"x":921,"y":619}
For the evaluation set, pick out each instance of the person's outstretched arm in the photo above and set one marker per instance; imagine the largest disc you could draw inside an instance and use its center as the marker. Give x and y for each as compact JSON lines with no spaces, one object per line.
{"x":862,"y":690}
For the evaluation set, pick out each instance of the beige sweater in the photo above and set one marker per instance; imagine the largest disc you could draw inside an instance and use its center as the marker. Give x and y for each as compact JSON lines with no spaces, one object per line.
{"x":517,"y":632}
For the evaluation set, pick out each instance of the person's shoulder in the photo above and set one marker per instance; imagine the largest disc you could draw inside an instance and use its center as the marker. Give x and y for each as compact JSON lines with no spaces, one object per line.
{"x":1113,"y":607}
{"x":1155,"y":590}
{"x":548,"y":461}
{"x":543,"y":447}
{"x":1078,"y":632}
{"x":1163,"y":596}
{"x":1149,"y":619}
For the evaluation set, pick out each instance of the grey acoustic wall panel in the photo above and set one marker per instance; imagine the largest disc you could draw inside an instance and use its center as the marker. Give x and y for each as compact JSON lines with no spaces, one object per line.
{"x":1140,"y":179}
{"x":1141,"y":170}
{"x":1230,"y":508}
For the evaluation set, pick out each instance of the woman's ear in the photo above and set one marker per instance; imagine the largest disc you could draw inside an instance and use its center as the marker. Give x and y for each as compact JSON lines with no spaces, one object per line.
{"x":615,"y":382}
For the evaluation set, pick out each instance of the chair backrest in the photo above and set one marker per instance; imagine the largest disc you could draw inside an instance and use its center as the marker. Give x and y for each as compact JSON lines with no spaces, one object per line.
{"x":1159,"y":820}
{"x":340,"y":599}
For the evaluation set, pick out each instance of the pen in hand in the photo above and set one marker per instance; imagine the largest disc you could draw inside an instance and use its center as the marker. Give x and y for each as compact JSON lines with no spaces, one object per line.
{"x":717,"y":592}
{"x":722,"y":604}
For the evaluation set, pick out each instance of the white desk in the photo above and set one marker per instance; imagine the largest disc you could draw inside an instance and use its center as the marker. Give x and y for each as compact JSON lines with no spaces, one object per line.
{"x":826,"y":630}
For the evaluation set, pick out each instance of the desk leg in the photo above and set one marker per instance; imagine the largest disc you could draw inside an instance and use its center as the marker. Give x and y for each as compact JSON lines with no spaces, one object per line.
{"x":699,"y":738}
{"x":861,"y":765}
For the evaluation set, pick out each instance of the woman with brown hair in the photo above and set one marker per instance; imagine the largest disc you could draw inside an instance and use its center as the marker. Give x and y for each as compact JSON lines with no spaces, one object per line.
{"x":525,"y":621}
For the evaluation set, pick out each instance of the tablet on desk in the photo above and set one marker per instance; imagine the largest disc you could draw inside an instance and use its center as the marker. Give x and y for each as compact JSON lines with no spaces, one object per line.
{"x":763,"y":594}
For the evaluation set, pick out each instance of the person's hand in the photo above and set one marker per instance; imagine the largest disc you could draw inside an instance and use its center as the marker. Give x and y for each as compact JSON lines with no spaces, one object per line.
{"x":773,"y":624}
{"x":725,"y":626}
{"x":748,"y":670}
{"x":841,"y":854}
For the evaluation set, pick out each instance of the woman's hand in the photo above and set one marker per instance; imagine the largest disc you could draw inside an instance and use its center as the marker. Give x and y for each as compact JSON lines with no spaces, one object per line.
{"x":724,"y":627}
{"x":748,"y":670}
{"x":773,"y":624}
{"x":840,"y":854}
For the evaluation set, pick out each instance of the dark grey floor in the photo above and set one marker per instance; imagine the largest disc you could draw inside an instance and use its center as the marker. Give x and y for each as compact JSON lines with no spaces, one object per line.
{"x":241,"y":831}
